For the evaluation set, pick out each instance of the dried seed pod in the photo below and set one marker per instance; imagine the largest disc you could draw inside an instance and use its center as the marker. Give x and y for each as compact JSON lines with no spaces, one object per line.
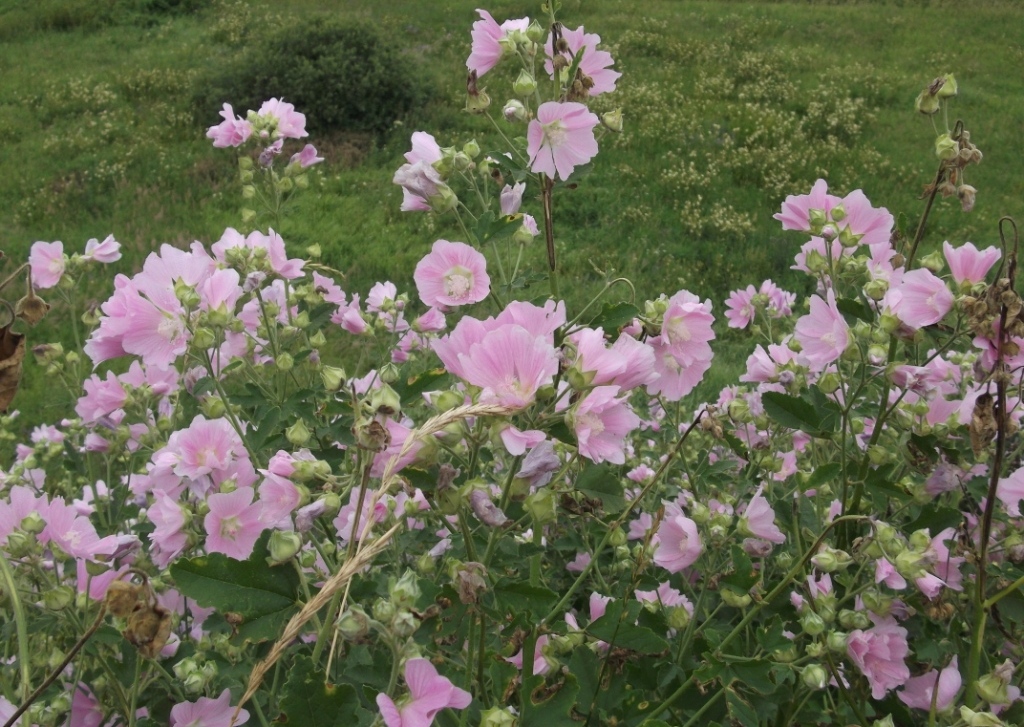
{"x":983,"y":423}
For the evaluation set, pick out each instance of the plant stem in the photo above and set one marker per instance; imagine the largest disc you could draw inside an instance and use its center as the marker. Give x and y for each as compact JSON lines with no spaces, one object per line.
{"x":546,"y":185}
{"x":21,"y":624}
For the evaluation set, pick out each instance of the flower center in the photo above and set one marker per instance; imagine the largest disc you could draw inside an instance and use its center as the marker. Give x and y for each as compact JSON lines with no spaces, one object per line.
{"x":458,"y":282}
{"x":229,"y":527}
{"x":555,"y":133}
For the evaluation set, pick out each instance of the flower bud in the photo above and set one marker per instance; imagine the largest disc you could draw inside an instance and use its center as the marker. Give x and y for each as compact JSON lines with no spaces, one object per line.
{"x":524,"y":85}
{"x":542,"y":506}
{"x":203,"y":338}
{"x":948,"y":89}
{"x":814,"y":676}
{"x":405,"y":591}
{"x":850,"y":620}
{"x":927,"y":103}
{"x":980,"y":719}
{"x":59,"y":598}
{"x":677,"y":617}
{"x":811,"y":623}
{"x":298,"y":433}
{"x":886,"y":721}
{"x":385,"y":401}
{"x":354,"y":624}
{"x":836,"y":642}
{"x":514,"y":110}
{"x":477,"y":103}
{"x":612,"y":120}
{"x":283,"y":546}
{"x":471,"y":149}
{"x":829,"y":382}
{"x":497,"y":717}
{"x":333,"y":377}
{"x":945,"y":148}
{"x":735,"y":599}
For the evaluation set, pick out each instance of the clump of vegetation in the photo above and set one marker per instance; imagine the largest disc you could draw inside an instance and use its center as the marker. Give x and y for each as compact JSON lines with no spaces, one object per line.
{"x":349,"y":76}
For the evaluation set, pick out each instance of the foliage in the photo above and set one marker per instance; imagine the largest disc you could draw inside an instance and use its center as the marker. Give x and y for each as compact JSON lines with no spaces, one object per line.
{"x":349,"y":75}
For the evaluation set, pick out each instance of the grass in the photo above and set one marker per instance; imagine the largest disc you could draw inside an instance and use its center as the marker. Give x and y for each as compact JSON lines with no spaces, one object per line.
{"x":729,"y":107}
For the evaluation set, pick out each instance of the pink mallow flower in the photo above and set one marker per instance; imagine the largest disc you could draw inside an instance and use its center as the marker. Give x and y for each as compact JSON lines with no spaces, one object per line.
{"x":920,"y":299}
{"x":823,"y":334}
{"x":968,"y":264}
{"x":561,"y":138}
{"x":452,"y":274}
{"x":46,"y":263}
{"x":417,"y":177}
{"x":595,"y":64}
{"x":206,"y":712}
{"x":108,"y":251}
{"x":1010,"y":491}
{"x":601,"y":421}
{"x":678,"y":541}
{"x":307,"y":157}
{"x":290,"y":123}
{"x":233,"y":523}
{"x":938,"y":687}
{"x":509,"y":364}
{"x":429,"y":693}
{"x":232,"y":131}
{"x":758,"y":520}
{"x":490,"y":41}
{"x":879,"y":653}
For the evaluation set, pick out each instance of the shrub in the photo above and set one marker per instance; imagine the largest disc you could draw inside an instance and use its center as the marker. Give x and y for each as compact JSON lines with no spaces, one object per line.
{"x":353,"y":78}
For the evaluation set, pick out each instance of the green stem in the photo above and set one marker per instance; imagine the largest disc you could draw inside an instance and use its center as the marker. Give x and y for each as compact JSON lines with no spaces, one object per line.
{"x":546,"y":185}
{"x":708,"y":704}
{"x":132,"y":711}
{"x":21,"y":624}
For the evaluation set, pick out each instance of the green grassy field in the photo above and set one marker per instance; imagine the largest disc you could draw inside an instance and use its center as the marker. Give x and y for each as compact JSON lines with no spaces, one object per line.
{"x":729,"y":107}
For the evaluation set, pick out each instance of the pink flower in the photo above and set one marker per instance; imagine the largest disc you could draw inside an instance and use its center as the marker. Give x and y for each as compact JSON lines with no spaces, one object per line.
{"x":679,"y":543}
{"x":509,"y":364}
{"x":207,"y":712}
{"x":879,"y":653}
{"x":540,"y":664}
{"x":46,"y":262}
{"x":169,"y":537}
{"x":290,"y":123}
{"x":740,"y":308}
{"x":796,"y":210}
{"x":1010,"y":491}
{"x":307,"y":157}
{"x":823,"y":333}
{"x":232,"y":131}
{"x":561,"y":138}
{"x":488,"y":37}
{"x":666,"y":596}
{"x":452,"y":274}
{"x":429,"y":693}
{"x":601,"y":421}
{"x":942,"y":687}
{"x":759,"y":520}
{"x":233,"y":523}
{"x":417,"y":177}
{"x":107,"y":251}
{"x":968,"y":264}
{"x":511,"y":198}
{"x":920,"y":299}
{"x":595,"y":64}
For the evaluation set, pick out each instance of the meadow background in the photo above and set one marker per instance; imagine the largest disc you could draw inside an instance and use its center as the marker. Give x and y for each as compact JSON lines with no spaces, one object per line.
{"x":728,"y":108}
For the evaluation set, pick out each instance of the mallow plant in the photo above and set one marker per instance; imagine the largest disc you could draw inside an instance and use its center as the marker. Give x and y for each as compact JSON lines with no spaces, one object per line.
{"x":278,"y":501}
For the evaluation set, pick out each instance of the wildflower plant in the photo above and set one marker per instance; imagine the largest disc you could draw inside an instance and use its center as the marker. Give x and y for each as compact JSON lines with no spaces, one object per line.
{"x":280,"y":501}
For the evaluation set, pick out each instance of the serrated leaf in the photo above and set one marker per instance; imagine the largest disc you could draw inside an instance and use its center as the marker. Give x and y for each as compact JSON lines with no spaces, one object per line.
{"x":614,"y":316}
{"x":264,"y":597}
{"x":521,"y":596}
{"x":601,"y":482}
{"x":266,"y":428}
{"x":308,"y":701}
{"x":321,"y":314}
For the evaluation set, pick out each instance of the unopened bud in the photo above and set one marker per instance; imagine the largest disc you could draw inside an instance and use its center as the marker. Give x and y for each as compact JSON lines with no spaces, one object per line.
{"x":298,"y":433}
{"x":814,"y":677}
{"x":612,"y":120}
{"x":283,"y":546}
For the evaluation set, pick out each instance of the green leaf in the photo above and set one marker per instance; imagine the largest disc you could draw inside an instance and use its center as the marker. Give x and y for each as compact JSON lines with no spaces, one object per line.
{"x":823,"y":475}
{"x":551,"y":704}
{"x":740,"y":710}
{"x":414,"y":386}
{"x":264,"y":597}
{"x":321,"y":314}
{"x":521,"y":596}
{"x":266,"y":427}
{"x":853,"y":308}
{"x":308,"y":701}
{"x":601,"y":482}
{"x":792,"y":412}
{"x":743,"y":575}
{"x":614,"y":316}
{"x":936,"y":519}
{"x":620,"y":631}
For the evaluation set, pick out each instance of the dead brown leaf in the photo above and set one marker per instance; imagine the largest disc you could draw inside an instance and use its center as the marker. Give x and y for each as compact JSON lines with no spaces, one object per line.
{"x":12,"y":353}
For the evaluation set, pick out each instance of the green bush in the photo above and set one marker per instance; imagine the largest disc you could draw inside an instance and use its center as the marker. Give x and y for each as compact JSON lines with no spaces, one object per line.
{"x":343,"y":77}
